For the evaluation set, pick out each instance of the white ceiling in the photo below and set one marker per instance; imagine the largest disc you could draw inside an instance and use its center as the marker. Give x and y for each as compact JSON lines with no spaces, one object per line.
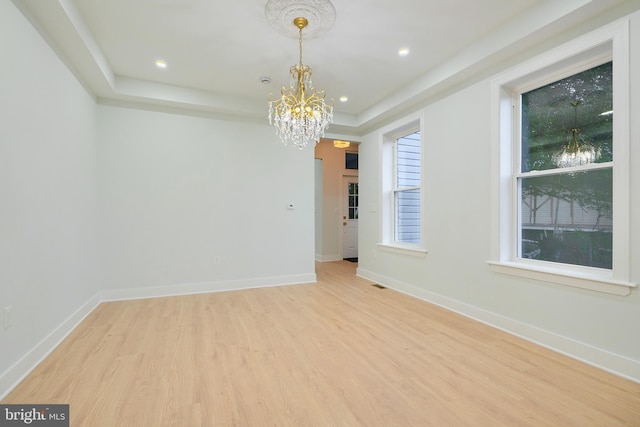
{"x":217,"y":51}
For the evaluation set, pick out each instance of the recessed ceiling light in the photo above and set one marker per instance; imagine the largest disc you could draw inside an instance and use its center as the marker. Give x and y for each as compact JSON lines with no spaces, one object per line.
{"x":343,"y":99}
{"x":161,"y":64}
{"x":403,"y":51}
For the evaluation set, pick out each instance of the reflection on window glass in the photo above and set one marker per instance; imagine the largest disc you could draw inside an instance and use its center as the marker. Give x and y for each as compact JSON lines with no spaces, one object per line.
{"x":566,"y":214}
{"x":569,"y":122}
{"x":566,"y":218}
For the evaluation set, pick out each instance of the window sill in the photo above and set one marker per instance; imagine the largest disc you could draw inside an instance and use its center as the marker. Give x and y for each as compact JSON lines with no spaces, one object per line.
{"x":592,"y":282}
{"x":404,"y":250}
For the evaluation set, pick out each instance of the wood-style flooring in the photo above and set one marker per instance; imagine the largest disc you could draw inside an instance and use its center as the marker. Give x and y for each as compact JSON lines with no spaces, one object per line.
{"x":340,"y":352}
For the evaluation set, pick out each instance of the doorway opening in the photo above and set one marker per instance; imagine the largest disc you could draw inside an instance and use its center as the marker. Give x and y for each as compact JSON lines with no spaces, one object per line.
{"x":336,"y":201}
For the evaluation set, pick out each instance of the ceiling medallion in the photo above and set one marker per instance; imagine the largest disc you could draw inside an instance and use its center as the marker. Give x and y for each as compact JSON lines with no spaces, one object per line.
{"x":320,"y":14}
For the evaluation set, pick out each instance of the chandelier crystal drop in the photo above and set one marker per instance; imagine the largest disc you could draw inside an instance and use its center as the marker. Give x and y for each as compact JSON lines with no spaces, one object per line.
{"x":301,"y":114}
{"x":576,"y":153}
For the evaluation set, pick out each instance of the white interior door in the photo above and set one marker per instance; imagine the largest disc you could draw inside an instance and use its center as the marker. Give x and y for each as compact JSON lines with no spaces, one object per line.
{"x":350,"y":217}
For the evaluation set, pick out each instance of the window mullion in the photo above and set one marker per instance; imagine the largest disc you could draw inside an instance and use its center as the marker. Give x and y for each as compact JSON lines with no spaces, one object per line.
{"x":558,"y":171}
{"x":406,"y":188}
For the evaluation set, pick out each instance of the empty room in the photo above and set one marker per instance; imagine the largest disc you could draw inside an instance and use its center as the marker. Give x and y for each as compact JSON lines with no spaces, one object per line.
{"x":320,"y":213}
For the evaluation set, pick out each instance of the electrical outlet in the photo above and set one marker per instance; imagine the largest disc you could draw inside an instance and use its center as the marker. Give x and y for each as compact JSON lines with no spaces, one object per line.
{"x":7,"y":317}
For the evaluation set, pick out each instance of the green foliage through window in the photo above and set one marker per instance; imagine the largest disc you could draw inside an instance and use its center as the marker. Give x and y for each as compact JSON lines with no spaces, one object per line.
{"x":565,"y":181}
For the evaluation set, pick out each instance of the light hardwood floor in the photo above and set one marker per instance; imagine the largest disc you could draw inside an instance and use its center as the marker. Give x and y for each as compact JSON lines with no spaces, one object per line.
{"x":337,"y":353}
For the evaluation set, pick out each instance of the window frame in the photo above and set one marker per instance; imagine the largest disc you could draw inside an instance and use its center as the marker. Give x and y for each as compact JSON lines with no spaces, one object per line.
{"x":388,"y":167}
{"x":518,"y":175}
{"x":609,"y":43}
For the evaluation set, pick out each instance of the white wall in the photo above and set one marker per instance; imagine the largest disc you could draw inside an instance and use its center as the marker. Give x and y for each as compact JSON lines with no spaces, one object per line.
{"x":193,"y":203}
{"x":105,"y":202}
{"x":48,"y":263}
{"x":600,"y":328}
{"x":318,"y":191}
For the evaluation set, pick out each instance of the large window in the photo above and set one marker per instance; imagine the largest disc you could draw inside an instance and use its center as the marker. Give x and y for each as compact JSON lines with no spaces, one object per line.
{"x":565,"y":181}
{"x":561,"y":177}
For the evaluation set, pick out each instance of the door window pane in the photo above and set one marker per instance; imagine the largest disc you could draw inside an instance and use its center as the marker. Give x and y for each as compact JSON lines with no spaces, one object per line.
{"x":353,"y":200}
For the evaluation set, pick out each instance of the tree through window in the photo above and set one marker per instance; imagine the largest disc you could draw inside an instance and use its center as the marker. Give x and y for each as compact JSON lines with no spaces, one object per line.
{"x":566,"y":161}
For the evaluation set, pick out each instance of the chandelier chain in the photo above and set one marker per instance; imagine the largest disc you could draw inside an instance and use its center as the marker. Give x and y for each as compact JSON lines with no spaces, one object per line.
{"x":300,"y":46}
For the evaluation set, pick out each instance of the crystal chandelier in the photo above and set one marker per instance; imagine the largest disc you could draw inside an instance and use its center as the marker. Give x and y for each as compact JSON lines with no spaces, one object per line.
{"x":577,"y":152}
{"x":301,"y":114}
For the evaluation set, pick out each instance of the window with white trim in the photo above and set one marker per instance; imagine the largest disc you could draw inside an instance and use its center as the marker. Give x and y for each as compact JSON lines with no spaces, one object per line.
{"x":402,"y":198}
{"x":561,"y":179}
{"x":564,"y":183}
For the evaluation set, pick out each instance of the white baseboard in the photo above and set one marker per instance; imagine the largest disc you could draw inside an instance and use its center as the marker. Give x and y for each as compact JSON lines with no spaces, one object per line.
{"x":16,"y":373}
{"x":204,"y":287}
{"x":613,"y":363}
